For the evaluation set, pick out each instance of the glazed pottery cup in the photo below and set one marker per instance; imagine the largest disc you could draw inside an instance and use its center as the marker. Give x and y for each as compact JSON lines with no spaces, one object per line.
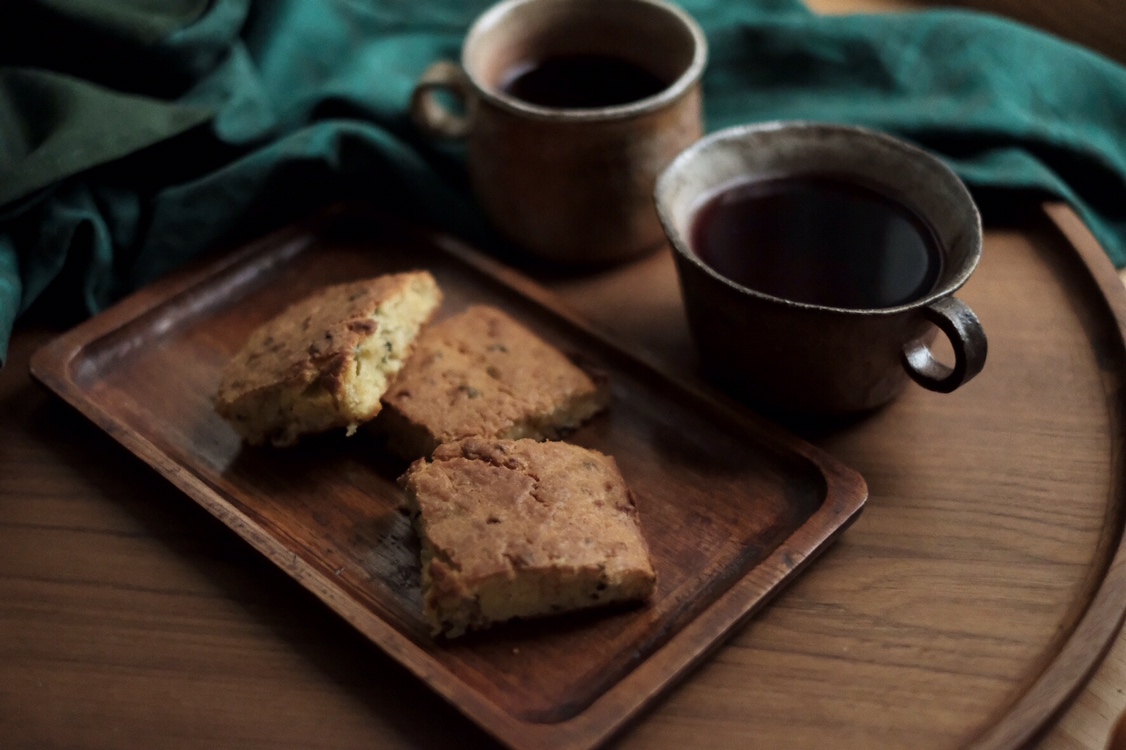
{"x":570,"y":185}
{"x":792,"y":356}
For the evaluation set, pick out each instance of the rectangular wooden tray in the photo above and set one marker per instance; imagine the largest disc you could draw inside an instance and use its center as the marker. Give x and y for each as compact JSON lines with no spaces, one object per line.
{"x":732,"y":507}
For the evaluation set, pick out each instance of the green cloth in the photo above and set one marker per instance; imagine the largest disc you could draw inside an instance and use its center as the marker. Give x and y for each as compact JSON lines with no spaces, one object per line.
{"x":135,"y":134}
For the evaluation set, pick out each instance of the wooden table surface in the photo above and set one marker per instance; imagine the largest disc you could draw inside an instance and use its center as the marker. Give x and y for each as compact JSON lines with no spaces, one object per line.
{"x":131,"y":618}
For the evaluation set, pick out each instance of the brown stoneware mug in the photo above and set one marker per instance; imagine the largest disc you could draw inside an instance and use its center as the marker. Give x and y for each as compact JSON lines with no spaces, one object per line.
{"x":798,"y":356}
{"x":571,"y":182}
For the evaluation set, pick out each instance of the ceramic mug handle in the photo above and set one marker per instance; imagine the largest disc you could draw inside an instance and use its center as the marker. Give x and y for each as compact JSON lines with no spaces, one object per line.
{"x":962,"y":327}
{"x":428,"y":113}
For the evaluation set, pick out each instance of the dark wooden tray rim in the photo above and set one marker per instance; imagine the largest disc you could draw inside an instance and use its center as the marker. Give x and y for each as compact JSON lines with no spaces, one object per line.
{"x":54,"y":366}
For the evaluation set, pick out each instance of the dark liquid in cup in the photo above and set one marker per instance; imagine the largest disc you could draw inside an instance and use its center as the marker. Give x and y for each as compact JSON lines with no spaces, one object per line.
{"x":820,"y":240}
{"x":580,"y":82}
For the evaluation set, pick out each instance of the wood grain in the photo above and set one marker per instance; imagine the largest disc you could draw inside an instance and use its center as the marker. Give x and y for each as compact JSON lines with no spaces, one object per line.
{"x":128,"y":614}
{"x":1099,"y":712}
{"x":732,"y":507}
{"x":1017,"y":277}
{"x":131,"y":618}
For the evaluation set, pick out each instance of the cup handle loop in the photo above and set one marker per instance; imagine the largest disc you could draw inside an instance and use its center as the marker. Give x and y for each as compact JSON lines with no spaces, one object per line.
{"x":967,"y":338}
{"x":428,"y":113}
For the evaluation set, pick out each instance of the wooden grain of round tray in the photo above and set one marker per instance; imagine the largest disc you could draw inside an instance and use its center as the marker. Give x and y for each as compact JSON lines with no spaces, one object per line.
{"x":985,"y":580}
{"x":962,"y":609}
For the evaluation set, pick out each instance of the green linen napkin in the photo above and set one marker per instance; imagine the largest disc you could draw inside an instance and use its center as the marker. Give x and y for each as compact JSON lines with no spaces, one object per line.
{"x":135,"y":134}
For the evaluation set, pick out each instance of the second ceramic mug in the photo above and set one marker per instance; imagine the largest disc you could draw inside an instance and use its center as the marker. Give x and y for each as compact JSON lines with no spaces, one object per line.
{"x":571,"y":185}
{"x":794,"y":356}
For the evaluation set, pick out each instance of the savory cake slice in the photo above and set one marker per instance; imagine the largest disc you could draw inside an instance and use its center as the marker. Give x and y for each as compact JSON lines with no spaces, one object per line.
{"x":520,"y":528}
{"x":326,"y":361}
{"x":482,"y":374}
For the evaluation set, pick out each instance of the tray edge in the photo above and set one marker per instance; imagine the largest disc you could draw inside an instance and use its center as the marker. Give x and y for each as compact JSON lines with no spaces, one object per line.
{"x":1065,"y":676}
{"x":846,"y":494}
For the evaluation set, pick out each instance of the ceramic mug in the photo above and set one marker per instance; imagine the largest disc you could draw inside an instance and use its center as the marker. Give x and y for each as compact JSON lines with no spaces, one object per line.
{"x":793,"y":356}
{"x":570,"y":184}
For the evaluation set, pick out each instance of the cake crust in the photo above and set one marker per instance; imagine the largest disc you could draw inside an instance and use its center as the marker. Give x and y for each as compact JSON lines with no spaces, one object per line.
{"x":482,"y":374}
{"x":326,"y":360}
{"x":520,"y":528}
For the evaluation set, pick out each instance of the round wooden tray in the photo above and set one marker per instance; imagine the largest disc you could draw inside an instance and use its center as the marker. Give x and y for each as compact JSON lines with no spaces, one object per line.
{"x":985,"y":580}
{"x":963,"y":608}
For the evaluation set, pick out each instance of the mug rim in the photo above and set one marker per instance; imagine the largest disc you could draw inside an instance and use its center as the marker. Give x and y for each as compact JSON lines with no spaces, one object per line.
{"x":737,"y":132}
{"x":665,"y":97}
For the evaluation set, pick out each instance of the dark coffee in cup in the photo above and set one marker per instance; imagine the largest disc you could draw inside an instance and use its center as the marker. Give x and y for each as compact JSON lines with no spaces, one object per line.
{"x":581,"y":81}
{"x":820,"y":240}
{"x":818,"y":261}
{"x":570,"y":111}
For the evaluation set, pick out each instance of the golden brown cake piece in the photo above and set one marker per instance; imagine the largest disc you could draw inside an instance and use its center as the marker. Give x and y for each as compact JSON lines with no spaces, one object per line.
{"x":520,"y":528}
{"x":327,"y":360}
{"x":482,"y":374}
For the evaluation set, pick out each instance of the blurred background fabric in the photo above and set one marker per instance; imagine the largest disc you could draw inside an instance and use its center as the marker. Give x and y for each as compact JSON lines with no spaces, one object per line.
{"x":136,"y":134}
